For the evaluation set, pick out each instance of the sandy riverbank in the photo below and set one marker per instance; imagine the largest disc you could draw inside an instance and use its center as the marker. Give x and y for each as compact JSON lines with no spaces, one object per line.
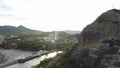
{"x":12,"y":54}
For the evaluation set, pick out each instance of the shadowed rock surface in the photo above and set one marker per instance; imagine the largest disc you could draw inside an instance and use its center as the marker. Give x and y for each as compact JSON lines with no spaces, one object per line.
{"x":2,"y":58}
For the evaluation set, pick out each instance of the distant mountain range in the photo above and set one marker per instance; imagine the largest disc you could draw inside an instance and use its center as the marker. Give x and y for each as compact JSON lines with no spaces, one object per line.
{"x":70,"y":32}
{"x":21,"y":30}
{"x":12,"y":30}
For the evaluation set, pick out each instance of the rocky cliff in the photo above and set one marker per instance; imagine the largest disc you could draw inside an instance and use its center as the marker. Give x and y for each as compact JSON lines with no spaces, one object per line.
{"x":105,"y":27}
{"x":90,"y":52}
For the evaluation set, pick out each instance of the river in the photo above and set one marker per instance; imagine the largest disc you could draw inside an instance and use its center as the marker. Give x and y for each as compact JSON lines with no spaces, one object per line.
{"x":33,"y":62}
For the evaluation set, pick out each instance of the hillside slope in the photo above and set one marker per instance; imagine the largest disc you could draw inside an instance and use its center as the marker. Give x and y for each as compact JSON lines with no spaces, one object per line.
{"x":90,"y":52}
{"x":11,"y":30}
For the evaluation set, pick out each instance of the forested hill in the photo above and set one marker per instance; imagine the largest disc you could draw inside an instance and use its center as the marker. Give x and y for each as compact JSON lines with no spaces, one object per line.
{"x":12,"y":30}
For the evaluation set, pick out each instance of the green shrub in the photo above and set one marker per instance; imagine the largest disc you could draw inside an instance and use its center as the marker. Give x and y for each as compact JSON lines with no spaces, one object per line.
{"x":115,"y":10}
{"x":44,"y":63}
{"x":50,"y":66}
{"x":117,"y":64}
{"x":113,"y":50}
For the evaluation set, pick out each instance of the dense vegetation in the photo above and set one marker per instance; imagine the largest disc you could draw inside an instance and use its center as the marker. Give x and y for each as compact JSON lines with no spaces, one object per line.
{"x":44,"y":63}
{"x":117,"y":64}
{"x":23,"y":44}
{"x":114,"y":49}
{"x":11,"y":30}
{"x":27,"y":42}
{"x":70,"y":62}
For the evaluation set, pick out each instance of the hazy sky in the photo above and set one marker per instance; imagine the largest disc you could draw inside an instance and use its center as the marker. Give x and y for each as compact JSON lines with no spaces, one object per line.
{"x":48,"y":15}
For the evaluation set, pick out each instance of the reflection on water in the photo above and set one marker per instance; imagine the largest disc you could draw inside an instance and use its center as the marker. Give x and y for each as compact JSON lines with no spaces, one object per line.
{"x":33,"y":62}
{"x":51,"y":55}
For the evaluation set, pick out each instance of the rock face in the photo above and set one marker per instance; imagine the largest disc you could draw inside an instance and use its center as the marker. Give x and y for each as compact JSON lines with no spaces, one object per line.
{"x":2,"y":58}
{"x":105,"y":27}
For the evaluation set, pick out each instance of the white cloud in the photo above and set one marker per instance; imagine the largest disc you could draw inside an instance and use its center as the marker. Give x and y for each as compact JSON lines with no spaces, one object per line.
{"x":55,"y":14}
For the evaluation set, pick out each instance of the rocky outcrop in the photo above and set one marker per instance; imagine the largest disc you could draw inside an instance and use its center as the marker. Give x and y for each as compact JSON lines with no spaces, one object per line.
{"x":105,"y":27}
